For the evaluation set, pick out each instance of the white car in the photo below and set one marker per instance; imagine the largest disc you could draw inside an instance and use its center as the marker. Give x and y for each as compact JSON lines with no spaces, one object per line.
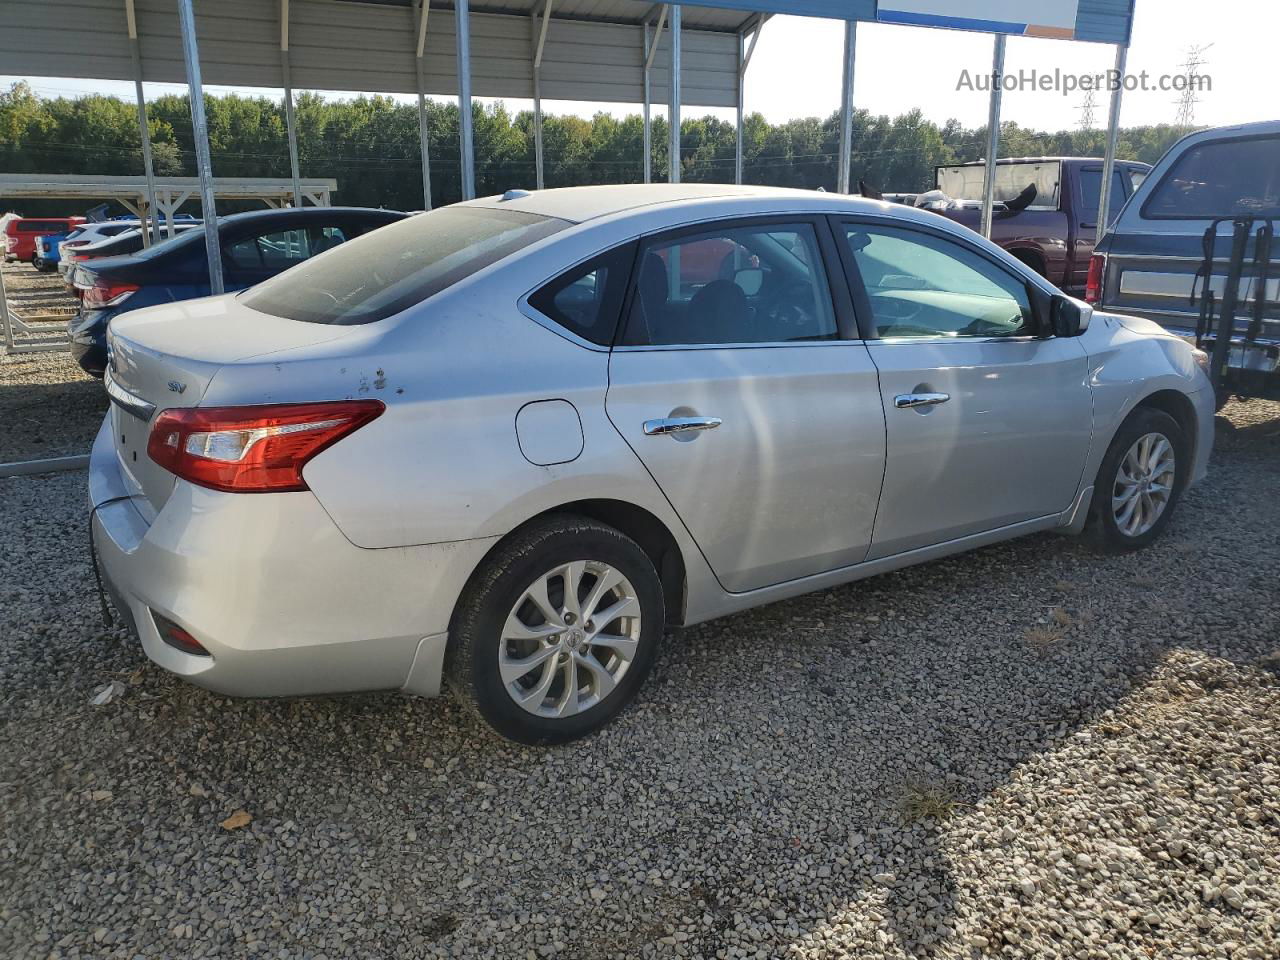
{"x":509,"y":441}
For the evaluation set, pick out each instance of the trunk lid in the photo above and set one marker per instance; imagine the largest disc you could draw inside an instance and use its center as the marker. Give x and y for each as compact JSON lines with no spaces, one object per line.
{"x":164,"y":357}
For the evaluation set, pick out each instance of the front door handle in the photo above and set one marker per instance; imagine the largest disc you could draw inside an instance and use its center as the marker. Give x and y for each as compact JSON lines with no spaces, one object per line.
{"x":904,"y":401}
{"x":659,"y":428}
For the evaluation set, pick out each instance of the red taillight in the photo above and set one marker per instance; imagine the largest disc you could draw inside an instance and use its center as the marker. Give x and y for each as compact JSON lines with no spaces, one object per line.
{"x":259,"y":449}
{"x":107,"y":293}
{"x":1093,"y":285}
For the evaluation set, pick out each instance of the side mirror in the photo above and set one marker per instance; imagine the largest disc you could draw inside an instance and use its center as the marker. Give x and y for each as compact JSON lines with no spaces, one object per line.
{"x":1069,"y":317}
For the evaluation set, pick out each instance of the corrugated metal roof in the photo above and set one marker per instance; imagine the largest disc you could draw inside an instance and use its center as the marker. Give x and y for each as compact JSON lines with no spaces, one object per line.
{"x":628,"y":12}
{"x":364,"y":46}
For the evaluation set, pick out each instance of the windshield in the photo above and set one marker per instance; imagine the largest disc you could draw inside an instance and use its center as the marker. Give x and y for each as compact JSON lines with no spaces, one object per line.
{"x":399,"y":265}
{"x":969,"y":182}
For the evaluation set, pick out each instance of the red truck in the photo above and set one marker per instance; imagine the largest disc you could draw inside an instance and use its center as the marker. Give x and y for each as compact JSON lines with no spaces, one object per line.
{"x":1050,"y":222}
{"x":21,"y":232}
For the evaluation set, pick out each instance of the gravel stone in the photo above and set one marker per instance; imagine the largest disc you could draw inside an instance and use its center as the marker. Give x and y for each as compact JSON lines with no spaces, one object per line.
{"x":960,"y":792}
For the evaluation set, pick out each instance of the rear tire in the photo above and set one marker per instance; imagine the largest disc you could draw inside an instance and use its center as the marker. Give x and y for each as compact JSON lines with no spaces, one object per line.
{"x":1139,"y":482}
{"x":527,"y":654}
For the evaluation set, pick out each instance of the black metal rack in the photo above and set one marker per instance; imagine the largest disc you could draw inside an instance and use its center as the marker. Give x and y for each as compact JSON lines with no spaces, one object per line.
{"x":1217,"y":328}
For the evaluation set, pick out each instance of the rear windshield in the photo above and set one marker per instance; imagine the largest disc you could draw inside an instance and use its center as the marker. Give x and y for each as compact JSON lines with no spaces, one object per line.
{"x":1229,"y":178}
{"x":399,"y":265}
{"x":970,"y":182}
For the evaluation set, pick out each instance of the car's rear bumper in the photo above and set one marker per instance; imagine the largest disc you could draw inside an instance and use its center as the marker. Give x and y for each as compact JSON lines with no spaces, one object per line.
{"x":266,"y":583}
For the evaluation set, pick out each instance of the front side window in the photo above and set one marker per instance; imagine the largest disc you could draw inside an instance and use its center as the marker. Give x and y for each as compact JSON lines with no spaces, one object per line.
{"x":732,"y":285}
{"x":392,"y":268}
{"x":922,"y":285}
{"x":1228,"y":178}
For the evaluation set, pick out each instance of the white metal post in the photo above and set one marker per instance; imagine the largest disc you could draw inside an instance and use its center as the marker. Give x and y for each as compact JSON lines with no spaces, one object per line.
{"x":646,"y":147}
{"x":1113,"y":140}
{"x":673,"y":151}
{"x":539,"y":26}
{"x":650,"y":51}
{"x":290,"y":128}
{"x":200,"y":129}
{"x":846,"y":106}
{"x":150,"y":221}
{"x":466,"y":141}
{"x":422,"y":9}
{"x":5,"y":319}
{"x":993,"y":133}
{"x":744,"y":61}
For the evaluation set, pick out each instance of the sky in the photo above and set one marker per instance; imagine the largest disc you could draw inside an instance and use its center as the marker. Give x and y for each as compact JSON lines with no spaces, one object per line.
{"x":795,"y":71}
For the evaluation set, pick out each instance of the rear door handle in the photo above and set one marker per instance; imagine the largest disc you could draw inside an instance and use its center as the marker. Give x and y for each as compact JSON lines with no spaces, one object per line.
{"x":659,"y":428}
{"x":904,"y":401}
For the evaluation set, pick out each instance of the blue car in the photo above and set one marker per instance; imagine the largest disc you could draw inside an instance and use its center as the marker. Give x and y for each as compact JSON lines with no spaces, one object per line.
{"x":255,"y":246}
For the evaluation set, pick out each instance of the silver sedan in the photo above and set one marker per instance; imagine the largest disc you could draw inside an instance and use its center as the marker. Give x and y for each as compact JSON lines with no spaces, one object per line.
{"x":502,"y":445}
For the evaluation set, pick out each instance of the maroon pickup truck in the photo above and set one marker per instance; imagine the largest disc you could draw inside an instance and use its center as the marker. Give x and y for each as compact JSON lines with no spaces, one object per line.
{"x":1054,"y":230}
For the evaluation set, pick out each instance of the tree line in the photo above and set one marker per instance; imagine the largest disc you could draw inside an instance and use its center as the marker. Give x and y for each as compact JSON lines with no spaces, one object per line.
{"x":370,"y":145}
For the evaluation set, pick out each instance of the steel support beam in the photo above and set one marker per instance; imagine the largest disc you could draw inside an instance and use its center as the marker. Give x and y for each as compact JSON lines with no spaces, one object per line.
{"x":151,"y":225}
{"x":539,"y":25}
{"x":744,"y":61}
{"x":846,"y":106}
{"x":291,"y":128}
{"x":466,"y":140}
{"x":5,"y":319}
{"x":1113,"y":141}
{"x":200,"y":129}
{"x":993,"y":133}
{"x":650,"y":51}
{"x":673,"y":151}
{"x":422,"y":9}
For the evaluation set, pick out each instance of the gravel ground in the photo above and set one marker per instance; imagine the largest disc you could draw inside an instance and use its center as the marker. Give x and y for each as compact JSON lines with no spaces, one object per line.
{"x":49,"y":407}
{"x":1028,"y":751}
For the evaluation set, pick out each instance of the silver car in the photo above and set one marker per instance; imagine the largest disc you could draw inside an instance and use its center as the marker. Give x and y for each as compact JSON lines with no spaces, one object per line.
{"x":504,"y":444}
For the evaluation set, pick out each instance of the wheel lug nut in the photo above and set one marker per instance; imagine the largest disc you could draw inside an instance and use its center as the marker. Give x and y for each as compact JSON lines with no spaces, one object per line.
{"x":591,"y":625}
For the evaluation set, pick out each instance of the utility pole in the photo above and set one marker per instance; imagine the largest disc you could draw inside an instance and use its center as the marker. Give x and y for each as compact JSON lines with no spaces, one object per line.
{"x":1088,"y":111}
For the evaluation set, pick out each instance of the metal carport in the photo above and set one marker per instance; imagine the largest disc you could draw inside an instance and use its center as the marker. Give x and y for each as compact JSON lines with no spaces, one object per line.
{"x":597,"y":50}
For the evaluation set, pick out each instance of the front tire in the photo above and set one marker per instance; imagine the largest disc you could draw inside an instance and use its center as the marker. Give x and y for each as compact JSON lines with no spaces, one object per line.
{"x":1139,"y":482}
{"x":557,"y":631}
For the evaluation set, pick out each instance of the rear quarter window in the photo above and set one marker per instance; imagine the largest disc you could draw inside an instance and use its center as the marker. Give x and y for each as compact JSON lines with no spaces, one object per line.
{"x":587,"y":300}
{"x":1223,"y":178}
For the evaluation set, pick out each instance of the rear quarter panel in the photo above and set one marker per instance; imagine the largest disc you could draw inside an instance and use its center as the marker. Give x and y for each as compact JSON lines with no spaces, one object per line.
{"x":1125,"y":368}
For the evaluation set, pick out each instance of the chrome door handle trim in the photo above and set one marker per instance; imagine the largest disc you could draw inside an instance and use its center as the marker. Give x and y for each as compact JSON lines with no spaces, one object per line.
{"x":658,"y":428}
{"x":904,"y":401}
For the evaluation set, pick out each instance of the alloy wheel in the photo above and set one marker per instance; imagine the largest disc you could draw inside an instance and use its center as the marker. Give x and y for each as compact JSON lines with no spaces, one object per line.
{"x":569,"y":639}
{"x":1143,"y":484}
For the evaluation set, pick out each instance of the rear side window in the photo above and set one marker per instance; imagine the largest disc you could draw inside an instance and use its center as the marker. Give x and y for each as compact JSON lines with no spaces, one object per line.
{"x":399,"y":265}
{"x":1228,"y":178}
{"x":1091,"y":195}
{"x":588,"y":299}
{"x":732,"y":285}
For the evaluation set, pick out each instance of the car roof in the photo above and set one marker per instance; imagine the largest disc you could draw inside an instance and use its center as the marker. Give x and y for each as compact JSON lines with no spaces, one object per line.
{"x":1002,"y":161}
{"x":580,"y":204}
{"x":303,"y":213}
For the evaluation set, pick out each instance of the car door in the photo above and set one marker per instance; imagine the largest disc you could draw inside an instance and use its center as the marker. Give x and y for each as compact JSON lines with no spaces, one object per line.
{"x":988,"y":421}
{"x":741,"y":385}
